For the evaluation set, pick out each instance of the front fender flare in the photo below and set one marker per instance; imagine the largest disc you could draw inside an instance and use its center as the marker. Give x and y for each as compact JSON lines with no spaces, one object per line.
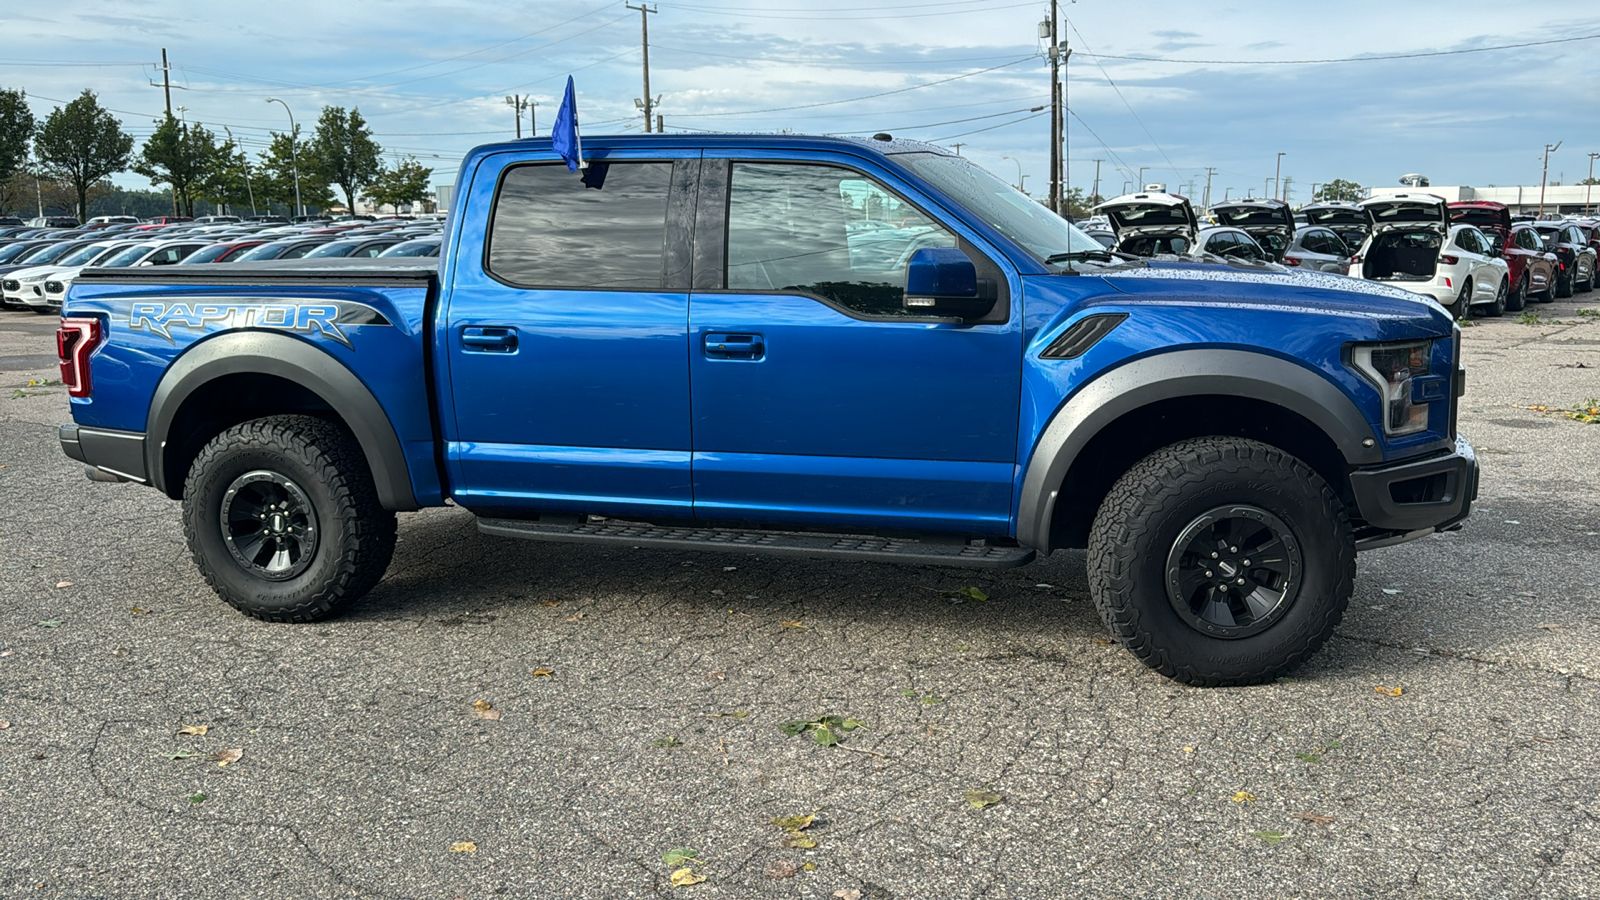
{"x":292,"y":359}
{"x":1174,"y":375}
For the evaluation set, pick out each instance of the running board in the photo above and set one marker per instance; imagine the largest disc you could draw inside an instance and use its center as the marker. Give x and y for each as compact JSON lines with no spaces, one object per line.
{"x":976,"y":554}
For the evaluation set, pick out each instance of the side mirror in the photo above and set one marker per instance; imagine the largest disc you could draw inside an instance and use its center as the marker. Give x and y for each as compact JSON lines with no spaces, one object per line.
{"x":941,"y":281}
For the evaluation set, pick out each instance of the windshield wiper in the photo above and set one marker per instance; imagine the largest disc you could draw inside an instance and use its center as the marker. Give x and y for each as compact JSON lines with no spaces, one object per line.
{"x":1109,"y":256}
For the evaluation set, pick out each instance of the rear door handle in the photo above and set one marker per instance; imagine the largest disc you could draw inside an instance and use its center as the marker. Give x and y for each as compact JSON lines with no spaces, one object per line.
{"x":489,"y":339}
{"x":725,"y":345}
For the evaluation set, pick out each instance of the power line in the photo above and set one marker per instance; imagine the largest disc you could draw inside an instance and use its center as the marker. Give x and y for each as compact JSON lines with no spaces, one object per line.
{"x":1009,"y":112}
{"x":990,"y":128}
{"x":741,"y":14}
{"x":1345,"y":59}
{"x":751,"y":112}
{"x":1125,"y":102}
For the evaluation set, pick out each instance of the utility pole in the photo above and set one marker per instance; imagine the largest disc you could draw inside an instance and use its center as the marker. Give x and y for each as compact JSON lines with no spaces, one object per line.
{"x":959,"y":144}
{"x":517,"y":104}
{"x":248,"y":189}
{"x":1545,"y":172}
{"x":1276,"y":172}
{"x":1210,"y":171}
{"x":1049,"y":29}
{"x":1095,"y":193}
{"x":648,"y":103}
{"x":533,"y":116}
{"x":166,"y":88}
{"x":1588,"y":186}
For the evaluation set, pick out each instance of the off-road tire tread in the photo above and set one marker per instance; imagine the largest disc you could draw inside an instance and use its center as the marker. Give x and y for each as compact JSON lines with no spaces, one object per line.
{"x":366,"y":530}
{"x":1127,"y":515}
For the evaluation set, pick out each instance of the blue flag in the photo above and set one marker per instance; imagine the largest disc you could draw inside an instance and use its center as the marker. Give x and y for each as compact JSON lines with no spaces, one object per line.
{"x":564,"y":135}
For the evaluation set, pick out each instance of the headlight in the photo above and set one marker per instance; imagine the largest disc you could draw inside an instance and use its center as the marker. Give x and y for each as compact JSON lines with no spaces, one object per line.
{"x":1391,"y":369}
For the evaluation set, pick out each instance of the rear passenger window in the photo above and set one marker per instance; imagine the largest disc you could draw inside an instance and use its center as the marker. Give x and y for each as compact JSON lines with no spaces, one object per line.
{"x":605,"y":229}
{"x":824,"y":230}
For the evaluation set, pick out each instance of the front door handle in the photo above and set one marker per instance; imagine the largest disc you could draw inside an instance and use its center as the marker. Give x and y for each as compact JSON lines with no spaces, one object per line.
{"x":489,"y":339}
{"x":725,"y":345}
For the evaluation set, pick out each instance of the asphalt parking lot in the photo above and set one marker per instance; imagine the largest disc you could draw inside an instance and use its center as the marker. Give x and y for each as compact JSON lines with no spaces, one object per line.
{"x":629,"y":705}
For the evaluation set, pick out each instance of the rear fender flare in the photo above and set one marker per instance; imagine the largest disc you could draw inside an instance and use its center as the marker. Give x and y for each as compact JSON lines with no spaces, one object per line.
{"x":1174,"y":375}
{"x":292,"y":359}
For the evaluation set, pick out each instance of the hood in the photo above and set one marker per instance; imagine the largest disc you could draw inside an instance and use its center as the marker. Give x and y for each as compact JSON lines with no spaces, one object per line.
{"x":1336,"y":215}
{"x":1495,"y":216}
{"x":1394,"y":212}
{"x":1151,"y":213}
{"x":1251,"y":215}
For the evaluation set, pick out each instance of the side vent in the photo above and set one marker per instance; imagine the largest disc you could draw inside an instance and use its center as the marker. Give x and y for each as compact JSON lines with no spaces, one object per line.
{"x":1084,"y":333}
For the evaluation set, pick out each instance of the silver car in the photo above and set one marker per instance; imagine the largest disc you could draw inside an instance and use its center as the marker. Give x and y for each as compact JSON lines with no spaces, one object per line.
{"x":1318,"y":249}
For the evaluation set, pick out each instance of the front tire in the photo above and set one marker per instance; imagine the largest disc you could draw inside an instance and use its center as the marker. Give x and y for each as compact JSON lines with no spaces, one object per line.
{"x":1501,"y":304}
{"x":1278,"y":583}
{"x":283,"y":519}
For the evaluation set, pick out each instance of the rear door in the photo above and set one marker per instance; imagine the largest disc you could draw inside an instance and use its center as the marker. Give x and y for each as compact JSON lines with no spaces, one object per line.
{"x":816,"y":399}
{"x":567,"y":371}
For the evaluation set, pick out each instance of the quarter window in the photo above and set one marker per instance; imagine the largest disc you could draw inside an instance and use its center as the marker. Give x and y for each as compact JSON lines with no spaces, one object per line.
{"x":824,"y":230}
{"x":605,"y":229}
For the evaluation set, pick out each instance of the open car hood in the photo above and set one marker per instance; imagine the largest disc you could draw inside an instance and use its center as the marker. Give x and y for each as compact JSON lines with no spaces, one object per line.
{"x":1251,"y":215}
{"x":1408,"y":211}
{"x":1147,"y":214}
{"x":1336,"y":215}
{"x":1495,"y":216}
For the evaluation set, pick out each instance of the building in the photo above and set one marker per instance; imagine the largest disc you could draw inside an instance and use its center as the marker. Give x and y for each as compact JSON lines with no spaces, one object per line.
{"x":1559,"y":199}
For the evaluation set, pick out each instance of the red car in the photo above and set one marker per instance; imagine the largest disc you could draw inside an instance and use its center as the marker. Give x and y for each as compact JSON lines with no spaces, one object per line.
{"x":1533,"y":269}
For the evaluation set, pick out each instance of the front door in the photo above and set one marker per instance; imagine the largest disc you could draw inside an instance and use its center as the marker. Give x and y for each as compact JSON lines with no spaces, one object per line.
{"x":566,"y":344}
{"x":816,"y":399}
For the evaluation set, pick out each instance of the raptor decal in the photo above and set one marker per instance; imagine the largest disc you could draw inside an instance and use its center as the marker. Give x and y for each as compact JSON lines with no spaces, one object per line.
{"x":314,"y":318}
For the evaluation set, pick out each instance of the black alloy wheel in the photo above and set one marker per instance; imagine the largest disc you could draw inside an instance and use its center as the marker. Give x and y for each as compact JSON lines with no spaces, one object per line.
{"x":269,"y":525}
{"x":1233,"y":572}
{"x":1500,"y":304}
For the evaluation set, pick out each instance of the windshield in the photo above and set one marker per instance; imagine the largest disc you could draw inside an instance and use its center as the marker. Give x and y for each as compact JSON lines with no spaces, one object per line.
{"x":1012,"y":213}
{"x":82,"y":255}
{"x":205,"y":254}
{"x":7,"y":254}
{"x":265,"y":251}
{"x":128,"y":256}
{"x":49,"y":253}
{"x":413,"y":248}
{"x":338,"y":248}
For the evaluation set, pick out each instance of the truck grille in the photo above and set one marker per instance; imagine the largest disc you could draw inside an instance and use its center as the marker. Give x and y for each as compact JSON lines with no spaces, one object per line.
{"x":1458,"y":381}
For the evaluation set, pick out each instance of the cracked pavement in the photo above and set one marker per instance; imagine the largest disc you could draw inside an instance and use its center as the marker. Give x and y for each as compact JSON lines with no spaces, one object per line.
{"x":364,"y":760}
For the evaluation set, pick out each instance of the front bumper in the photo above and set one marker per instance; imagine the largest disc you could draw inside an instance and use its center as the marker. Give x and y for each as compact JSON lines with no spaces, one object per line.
{"x":1411,"y":499}
{"x":102,"y":450}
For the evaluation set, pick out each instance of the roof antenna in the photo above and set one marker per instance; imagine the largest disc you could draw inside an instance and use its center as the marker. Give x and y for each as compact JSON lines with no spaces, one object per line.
{"x":883,"y":136}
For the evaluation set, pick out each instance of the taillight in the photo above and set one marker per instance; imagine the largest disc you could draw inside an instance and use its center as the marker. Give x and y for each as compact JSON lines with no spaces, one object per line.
{"x":75,"y":340}
{"x":1355,"y":260}
{"x":1448,"y":259}
{"x":1291,"y":261}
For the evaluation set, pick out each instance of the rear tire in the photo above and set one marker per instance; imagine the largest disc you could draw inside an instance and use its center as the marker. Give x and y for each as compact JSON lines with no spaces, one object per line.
{"x":1498,"y":308}
{"x":283,"y":519}
{"x":1588,"y":284}
{"x":1564,"y":285}
{"x":1463,"y":302}
{"x":1517,"y":299}
{"x":1169,"y":601}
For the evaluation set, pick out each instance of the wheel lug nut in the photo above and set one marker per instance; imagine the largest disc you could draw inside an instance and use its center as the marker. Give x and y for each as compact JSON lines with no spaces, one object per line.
{"x":1209,"y":573}
{"x":1241,"y":581}
{"x":1213,"y":554}
{"x":1244,"y":562}
{"x":1233,"y":549}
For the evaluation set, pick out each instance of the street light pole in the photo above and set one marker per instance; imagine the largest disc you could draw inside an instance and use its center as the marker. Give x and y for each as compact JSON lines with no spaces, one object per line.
{"x":1021,"y":178}
{"x":1276,"y":184}
{"x":294,"y":157}
{"x":1545,"y":172}
{"x":1140,"y":185}
{"x":1588,"y":187}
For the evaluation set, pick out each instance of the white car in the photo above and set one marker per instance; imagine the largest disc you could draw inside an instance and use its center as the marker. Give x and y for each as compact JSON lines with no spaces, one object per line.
{"x":1414,"y":246}
{"x":34,"y":284}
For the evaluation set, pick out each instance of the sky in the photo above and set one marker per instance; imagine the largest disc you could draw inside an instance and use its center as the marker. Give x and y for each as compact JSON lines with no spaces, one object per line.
{"x":1226,"y":86}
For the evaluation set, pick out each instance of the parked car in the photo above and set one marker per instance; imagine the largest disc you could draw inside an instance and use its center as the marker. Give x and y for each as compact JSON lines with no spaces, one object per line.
{"x":1231,"y":243}
{"x":1269,"y":222}
{"x":366,"y":247}
{"x":287,"y":248}
{"x":1531,"y":268}
{"x":27,"y":281}
{"x":221,"y":251}
{"x":1413,"y":246}
{"x":1104,"y":235}
{"x":1575,"y":259}
{"x":1317,"y":249}
{"x":50,"y":284}
{"x":54,"y":222}
{"x":1348,"y":220}
{"x":1151,"y":224}
{"x":418,"y":247}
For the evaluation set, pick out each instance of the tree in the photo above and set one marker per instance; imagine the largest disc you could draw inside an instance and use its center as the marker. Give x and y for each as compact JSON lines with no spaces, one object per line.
{"x":17,"y":193}
{"x":16,"y":131}
{"x":1590,"y":181}
{"x":274,"y":175}
{"x":407,"y":182}
{"x":343,"y":151}
{"x":228,"y":182}
{"x":1339,"y":189}
{"x":180,"y":156}
{"x":81,"y":143}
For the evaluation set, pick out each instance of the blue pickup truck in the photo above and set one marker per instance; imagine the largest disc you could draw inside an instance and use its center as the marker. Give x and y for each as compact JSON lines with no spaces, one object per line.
{"x":859,"y":349}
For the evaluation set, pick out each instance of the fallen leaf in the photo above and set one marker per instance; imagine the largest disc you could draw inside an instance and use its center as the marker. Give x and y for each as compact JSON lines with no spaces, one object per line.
{"x":1316,"y":819}
{"x":194,"y":730}
{"x":782,"y":868}
{"x":847,"y":894}
{"x":1103,"y":641}
{"x":63,"y":584}
{"x":574,"y":617}
{"x":716,"y":675}
{"x":483,"y":709}
{"x":973,"y":594}
{"x":980,"y":799}
{"x":4,"y":724}
{"x":1188,"y":749}
{"x":686,"y":876}
{"x":809,"y":867}
{"x":184,"y":754}
{"x":1271,"y":837}
{"x":225,"y":757}
{"x":668,"y":742}
{"x":50,"y":623}
{"x":825,"y":737}
{"x":544,"y":673}
{"x":550,"y":603}
{"x":1244,"y":797}
{"x":795,"y":823}
{"x":1395,"y":691}
{"x":678,"y":856}
{"x":197,"y":798}
{"x":137,"y":611}
{"x":799,"y":841}
{"x":464,"y":847}
{"x":791,"y":623}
